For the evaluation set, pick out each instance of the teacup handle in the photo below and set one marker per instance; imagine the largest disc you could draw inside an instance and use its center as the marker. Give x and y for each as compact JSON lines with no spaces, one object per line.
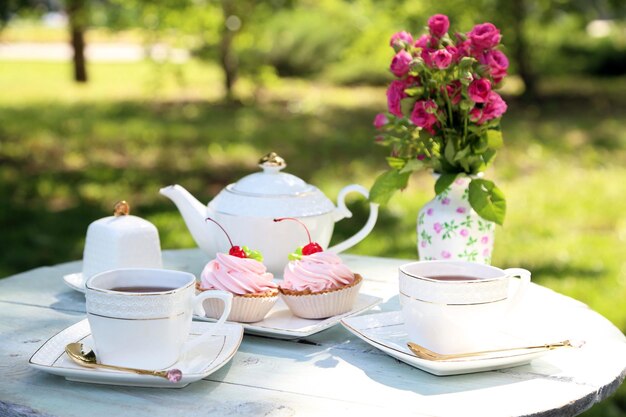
{"x":342,"y":212}
{"x":524,"y":276}
{"x":226,"y":297}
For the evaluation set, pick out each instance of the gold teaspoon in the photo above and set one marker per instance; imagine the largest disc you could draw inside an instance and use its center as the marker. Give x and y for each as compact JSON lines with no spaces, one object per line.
{"x":88,"y":359}
{"x":423,"y":353}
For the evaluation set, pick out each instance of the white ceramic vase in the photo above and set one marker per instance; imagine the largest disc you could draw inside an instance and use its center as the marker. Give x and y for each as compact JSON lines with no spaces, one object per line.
{"x":449,"y":229}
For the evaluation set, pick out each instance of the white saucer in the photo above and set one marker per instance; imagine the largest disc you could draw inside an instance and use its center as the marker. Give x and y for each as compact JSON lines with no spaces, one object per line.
{"x":281,"y":324}
{"x":197,"y":364}
{"x":385,"y":331}
{"x":75,"y":281}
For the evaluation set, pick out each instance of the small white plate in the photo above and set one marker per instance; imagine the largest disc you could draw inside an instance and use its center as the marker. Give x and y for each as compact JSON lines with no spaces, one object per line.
{"x":197,"y":364}
{"x":75,"y":281}
{"x":280,"y":323}
{"x":385,"y":331}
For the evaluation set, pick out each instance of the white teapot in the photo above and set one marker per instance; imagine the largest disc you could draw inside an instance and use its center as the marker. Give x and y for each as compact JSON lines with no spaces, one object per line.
{"x":247,"y":208}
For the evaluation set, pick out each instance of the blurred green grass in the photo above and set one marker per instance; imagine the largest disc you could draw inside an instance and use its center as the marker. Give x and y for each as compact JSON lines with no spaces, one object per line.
{"x":68,"y":152}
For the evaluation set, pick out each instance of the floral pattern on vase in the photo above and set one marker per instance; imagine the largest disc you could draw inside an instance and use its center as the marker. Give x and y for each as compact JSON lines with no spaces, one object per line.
{"x":449,"y":229}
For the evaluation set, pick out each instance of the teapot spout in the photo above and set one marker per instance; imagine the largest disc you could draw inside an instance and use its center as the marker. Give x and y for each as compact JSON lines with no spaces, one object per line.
{"x":194,"y":214}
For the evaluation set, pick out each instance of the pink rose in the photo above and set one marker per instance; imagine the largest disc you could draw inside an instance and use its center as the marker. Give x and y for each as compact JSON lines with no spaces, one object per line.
{"x":484,"y":36}
{"x":441,"y":58}
{"x":445,"y":254}
{"x":454,"y":91}
{"x":437,"y":227}
{"x":421,"y":115}
{"x":445,"y":201}
{"x":429,"y":212}
{"x":476,"y":115}
{"x":461,"y":210}
{"x":497,"y":64}
{"x":401,"y":37}
{"x":438,"y":25}
{"x":422,"y":42}
{"x":463,"y":49}
{"x":427,"y":55}
{"x":494,"y":107}
{"x":453,"y":52}
{"x":400,"y":63}
{"x":380,"y":120}
{"x":464,"y":232}
{"x":423,"y":244}
{"x":395,"y":93}
{"x":479,"y":90}
{"x":484,"y":240}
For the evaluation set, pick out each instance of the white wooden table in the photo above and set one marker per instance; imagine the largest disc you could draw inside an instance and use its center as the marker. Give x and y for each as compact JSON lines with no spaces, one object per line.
{"x":330,"y":373}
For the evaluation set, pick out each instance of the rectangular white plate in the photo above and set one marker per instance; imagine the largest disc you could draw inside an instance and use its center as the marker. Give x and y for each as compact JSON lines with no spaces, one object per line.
{"x":281,"y":324}
{"x":385,"y":331}
{"x":199,"y":363}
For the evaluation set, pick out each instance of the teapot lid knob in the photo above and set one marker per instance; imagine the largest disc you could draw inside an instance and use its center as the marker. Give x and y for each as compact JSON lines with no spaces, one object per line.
{"x":272,"y":162}
{"x":121,"y":208}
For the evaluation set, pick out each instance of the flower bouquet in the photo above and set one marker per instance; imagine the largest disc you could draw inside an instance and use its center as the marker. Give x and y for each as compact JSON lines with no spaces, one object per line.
{"x":443,"y":113}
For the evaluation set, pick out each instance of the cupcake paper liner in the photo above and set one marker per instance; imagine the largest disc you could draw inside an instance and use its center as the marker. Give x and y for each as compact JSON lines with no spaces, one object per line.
{"x":322,"y":304}
{"x":247,"y":308}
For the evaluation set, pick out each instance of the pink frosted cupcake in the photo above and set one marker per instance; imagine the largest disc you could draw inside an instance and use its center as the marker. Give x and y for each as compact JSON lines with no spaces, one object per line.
{"x":316,"y":284}
{"x":242,"y":273}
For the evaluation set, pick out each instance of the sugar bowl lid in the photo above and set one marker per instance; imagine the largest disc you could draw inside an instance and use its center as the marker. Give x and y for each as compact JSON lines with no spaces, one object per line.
{"x":271,"y":192}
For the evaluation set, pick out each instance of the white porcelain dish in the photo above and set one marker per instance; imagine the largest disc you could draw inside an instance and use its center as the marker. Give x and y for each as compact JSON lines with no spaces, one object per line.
{"x":197,"y":364}
{"x":281,"y":324}
{"x":386,"y":332}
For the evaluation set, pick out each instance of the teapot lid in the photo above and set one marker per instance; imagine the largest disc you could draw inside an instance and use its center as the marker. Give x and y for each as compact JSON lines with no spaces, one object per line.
{"x":270,"y":181}
{"x":271,"y":193}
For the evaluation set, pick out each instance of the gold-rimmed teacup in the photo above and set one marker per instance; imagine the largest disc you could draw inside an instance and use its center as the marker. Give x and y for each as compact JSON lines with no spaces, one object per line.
{"x":141,"y":317}
{"x":454,"y":306}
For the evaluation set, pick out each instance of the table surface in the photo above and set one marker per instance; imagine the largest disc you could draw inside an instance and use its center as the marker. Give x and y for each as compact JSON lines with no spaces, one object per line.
{"x":329,"y":373}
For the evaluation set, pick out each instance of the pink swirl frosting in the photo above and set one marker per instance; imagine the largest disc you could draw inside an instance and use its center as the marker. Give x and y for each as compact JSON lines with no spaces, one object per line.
{"x":317,"y":272}
{"x":236,"y":275}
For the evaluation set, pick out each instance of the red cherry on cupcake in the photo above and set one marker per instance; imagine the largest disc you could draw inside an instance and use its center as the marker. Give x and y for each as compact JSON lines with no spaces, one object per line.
{"x":234,"y":250}
{"x":311,"y":247}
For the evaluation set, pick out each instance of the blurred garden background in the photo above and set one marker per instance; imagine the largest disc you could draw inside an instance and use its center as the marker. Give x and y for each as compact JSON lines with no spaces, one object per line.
{"x":102,"y":100}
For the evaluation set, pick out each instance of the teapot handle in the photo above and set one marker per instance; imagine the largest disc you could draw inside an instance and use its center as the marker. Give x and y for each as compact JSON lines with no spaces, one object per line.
{"x":342,"y":212}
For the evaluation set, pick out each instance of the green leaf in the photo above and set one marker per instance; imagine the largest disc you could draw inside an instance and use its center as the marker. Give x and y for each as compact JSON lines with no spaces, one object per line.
{"x":443,"y":182}
{"x":396,"y":163}
{"x":407,"y":104}
{"x":494,"y":139}
{"x":488,"y":156}
{"x":462,"y":153}
{"x":387,"y":184}
{"x":412,"y":165}
{"x":449,"y":152}
{"x":414,"y":91}
{"x":487,"y":200}
{"x":481,"y":144}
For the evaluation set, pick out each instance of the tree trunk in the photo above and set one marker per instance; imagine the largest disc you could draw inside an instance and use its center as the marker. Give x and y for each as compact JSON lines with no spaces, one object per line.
{"x":228,"y":58}
{"x":77,"y":13}
{"x":520,"y":47}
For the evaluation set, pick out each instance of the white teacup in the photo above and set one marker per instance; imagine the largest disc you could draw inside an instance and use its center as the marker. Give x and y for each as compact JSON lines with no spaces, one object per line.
{"x":141,"y":317}
{"x":456,"y":306}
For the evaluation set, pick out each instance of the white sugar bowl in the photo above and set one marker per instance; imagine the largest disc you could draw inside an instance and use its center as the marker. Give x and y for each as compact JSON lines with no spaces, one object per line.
{"x":120,"y":241}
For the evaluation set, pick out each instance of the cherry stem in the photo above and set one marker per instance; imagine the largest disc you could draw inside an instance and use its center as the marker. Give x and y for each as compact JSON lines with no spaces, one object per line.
{"x":295,"y":220}
{"x":223,"y":230}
